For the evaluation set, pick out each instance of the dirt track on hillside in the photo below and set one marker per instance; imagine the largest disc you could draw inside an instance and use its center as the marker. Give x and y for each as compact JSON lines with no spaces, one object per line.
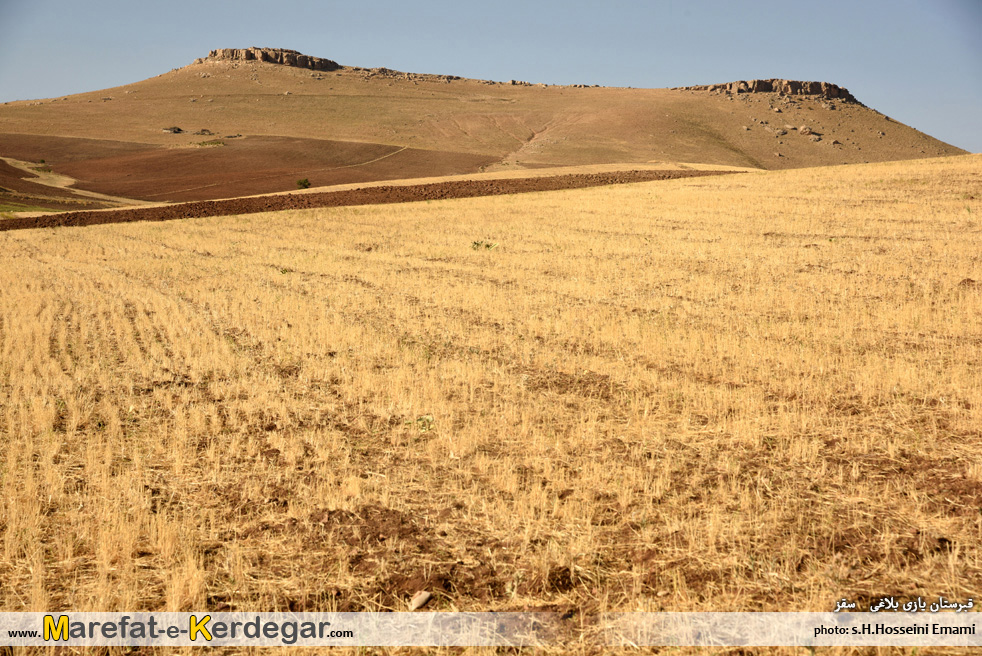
{"x":365,"y":196}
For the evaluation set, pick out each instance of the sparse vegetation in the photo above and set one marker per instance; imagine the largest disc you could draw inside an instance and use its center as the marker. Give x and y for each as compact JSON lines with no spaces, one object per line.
{"x":423,"y":423}
{"x":303,"y":183}
{"x":698,"y":403}
{"x":7,"y":207}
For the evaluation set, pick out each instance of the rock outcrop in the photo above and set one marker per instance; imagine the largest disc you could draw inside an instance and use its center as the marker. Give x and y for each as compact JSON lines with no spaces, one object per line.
{"x":272,"y":55}
{"x":786,"y":87}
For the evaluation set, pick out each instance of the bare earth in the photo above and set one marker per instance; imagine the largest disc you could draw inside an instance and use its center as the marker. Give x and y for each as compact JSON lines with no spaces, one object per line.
{"x":375,"y":195}
{"x":236,"y":167}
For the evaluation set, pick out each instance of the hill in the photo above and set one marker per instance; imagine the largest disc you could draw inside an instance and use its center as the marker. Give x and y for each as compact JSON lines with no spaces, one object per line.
{"x":255,"y":120}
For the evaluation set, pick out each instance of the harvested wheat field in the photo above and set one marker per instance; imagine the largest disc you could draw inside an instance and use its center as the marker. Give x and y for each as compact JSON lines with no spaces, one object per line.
{"x":757,"y":391}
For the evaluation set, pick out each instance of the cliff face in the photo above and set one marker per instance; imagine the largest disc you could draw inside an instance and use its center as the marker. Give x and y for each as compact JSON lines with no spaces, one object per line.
{"x":787,"y":87}
{"x":272,"y":55}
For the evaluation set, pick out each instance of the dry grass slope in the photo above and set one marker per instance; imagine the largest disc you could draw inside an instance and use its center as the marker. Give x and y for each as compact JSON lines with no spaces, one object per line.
{"x":751,"y":392}
{"x":279,"y":124}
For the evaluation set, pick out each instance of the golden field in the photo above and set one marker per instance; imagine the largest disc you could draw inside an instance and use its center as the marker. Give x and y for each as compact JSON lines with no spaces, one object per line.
{"x":760,"y":391}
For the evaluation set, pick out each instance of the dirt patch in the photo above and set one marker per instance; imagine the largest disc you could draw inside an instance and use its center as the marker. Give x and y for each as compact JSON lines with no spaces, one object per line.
{"x":368,"y":196}
{"x":371,"y":533}
{"x":370,"y":525}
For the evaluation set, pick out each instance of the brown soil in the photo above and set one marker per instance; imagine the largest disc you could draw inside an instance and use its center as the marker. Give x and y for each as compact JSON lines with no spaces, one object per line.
{"x":14,"y":180}
{"x":228,"y":167}
{"x":17,"y":188}
{"x":39,"y":202}
{"x":365,"y":196}
{"x":55,"y":150}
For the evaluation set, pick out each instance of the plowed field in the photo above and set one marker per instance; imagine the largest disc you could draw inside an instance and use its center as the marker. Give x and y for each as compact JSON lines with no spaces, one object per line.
{"x":365,"y":196}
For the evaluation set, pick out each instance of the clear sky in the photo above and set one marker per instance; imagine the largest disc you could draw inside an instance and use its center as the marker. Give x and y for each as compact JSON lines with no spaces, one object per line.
{"x":919,"y":62}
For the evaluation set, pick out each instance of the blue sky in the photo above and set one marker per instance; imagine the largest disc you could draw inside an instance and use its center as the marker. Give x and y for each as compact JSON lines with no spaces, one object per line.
{"x":918,"y":62}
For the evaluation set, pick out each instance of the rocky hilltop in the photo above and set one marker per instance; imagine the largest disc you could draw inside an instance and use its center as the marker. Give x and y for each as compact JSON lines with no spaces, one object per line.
{"x":299,"y":60}
{"x":786,"y":87}
{"x":272,"y":55}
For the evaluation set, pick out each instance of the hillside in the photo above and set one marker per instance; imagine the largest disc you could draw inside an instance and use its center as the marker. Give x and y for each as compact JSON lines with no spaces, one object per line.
{"x":232,"y":124}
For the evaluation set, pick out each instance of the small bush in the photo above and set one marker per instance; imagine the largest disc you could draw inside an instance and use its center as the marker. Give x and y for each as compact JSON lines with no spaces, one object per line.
{"x":303,"y":184}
